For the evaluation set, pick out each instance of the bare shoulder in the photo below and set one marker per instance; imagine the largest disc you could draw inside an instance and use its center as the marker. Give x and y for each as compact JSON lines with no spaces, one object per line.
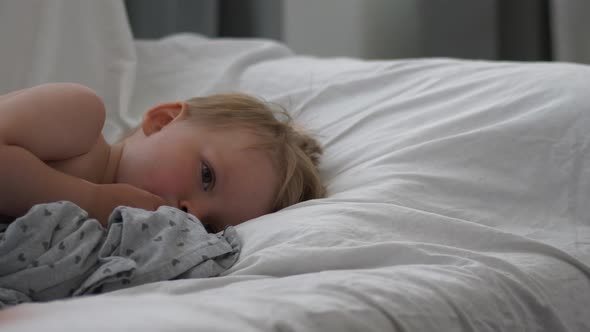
{"x":59,"y":123}
{"x":53,"y":121}
{"x":89,"y":166}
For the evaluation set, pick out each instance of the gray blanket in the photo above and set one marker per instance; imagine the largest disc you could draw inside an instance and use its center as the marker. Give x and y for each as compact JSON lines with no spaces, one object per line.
{"x":55,"y":251}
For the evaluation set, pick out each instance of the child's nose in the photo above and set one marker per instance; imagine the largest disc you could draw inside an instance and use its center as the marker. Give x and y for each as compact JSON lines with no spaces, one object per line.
{"x":197,"y":210}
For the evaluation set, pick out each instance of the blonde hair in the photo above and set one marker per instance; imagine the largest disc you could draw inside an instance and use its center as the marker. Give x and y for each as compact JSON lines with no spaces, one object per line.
{"x":294,"y":153}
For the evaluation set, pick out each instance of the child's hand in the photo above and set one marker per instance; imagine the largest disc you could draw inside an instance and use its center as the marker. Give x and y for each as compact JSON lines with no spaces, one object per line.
{"x":107,"y":197}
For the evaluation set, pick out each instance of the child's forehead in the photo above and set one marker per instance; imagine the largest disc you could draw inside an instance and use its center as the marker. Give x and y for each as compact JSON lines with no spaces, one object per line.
{"x":232,"y":136}
{"x":225,"y":129}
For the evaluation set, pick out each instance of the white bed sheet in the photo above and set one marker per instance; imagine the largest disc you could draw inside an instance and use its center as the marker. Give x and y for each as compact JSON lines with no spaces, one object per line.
{"x":458,"y":198}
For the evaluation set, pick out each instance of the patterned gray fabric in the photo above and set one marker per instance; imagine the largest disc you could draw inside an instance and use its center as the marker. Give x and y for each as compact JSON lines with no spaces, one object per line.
{"x":55,"y":251}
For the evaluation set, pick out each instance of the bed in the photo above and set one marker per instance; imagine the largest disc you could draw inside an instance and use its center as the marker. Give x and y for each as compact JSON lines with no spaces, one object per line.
{"x":458,"y":189}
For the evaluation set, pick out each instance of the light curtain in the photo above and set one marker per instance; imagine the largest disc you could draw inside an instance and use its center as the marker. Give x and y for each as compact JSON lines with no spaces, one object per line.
{"x":571,"y":30}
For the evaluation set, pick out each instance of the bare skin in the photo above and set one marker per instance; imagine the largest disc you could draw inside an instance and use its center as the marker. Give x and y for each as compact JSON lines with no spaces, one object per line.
{"x":51,"y":148}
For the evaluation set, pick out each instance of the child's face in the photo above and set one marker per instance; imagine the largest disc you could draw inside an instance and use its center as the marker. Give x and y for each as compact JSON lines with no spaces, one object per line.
{"x":206,"y":171}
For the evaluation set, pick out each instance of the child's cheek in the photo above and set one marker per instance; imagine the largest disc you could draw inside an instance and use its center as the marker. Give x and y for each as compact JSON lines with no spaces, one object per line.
{"x":173,"y":181}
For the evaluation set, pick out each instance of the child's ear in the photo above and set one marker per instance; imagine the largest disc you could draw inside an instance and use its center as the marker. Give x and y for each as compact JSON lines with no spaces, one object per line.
{"x":160,"y":116}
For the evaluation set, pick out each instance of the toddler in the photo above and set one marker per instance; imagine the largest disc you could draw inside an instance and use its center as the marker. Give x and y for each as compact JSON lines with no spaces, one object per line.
{"x":224,"y":158}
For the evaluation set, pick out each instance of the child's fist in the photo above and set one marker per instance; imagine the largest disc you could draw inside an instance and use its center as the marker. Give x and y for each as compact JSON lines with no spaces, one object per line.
{"x":106,"y":197}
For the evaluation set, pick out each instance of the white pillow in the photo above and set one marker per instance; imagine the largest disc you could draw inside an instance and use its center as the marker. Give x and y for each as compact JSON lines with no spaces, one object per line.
{"x":494,"y":144}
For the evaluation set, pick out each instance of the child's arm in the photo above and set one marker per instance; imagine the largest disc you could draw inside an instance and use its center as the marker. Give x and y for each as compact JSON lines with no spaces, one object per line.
{"x":39,"y":124}
{"x":54,"y":122}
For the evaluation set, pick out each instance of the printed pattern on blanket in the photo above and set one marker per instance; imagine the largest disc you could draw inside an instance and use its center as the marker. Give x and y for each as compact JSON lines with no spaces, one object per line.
{"x":55,"y":251}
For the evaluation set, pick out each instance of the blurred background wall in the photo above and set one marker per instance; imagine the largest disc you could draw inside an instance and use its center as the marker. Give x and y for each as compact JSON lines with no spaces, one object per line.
{"x":525,"y":30}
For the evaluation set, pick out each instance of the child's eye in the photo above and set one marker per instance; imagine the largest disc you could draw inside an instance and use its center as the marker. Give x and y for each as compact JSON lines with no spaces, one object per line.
{"x":207,"y":177}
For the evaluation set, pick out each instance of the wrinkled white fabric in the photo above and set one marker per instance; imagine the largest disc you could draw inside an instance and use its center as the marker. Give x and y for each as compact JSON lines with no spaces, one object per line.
{"x":82,"y":41}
